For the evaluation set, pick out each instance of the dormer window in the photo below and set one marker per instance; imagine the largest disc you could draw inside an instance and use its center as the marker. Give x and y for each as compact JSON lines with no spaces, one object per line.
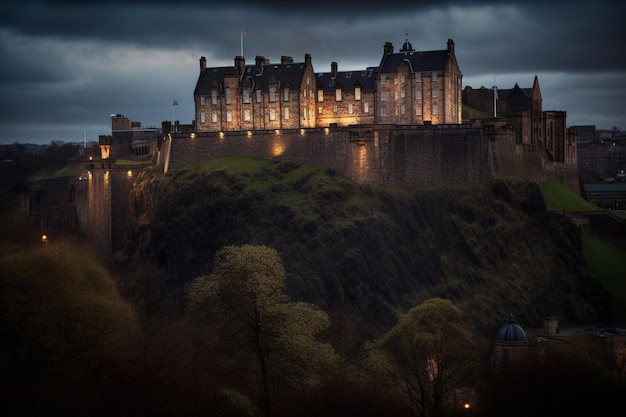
{"x":286,"y":94}
{"x":272,"y":93}
{"x":357,"y":92}
{"x":337,"y":94}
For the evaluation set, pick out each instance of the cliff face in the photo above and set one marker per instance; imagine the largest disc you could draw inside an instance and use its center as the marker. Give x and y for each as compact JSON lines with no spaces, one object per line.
{"x":366,"y":255}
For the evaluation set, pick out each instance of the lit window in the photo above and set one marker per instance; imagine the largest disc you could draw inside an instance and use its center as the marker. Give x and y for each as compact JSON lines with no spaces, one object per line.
{"x":435,"y":109}
{"x":418,"y":110}
{"x":337,"y":94}
{"x":357,"y":93}
{"x":435,"y":93}
{"x":286,"y":94}
{"x":272,"y":93}
{"x":246,"y":115}
{"x":229,"y":116}
{"x":335,"y":108}
{"x":395,"y":110}
{"x":320,"y":110}
{"x":402,"y":93}
{"x":214,"y":96}
{"x":366,"y":107}
{"x":272,"y":114}
{"x":350,"y":111}
{"x":286,"y":113}
{"x":402,"y":79}
{"x":246,"y":96}
{"x":320,"y":95}
{"x":214,"y":117}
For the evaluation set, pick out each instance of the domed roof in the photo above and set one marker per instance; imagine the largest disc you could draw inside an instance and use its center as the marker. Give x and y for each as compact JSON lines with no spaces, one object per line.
{"x":407,"y":47}
{"x":511,"y":333}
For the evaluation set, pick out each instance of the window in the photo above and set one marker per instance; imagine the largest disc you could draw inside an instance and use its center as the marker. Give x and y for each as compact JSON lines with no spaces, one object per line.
{"x":286,"y":94}
{"x":383,"y":111}
{"x":305,"y":113}
{"x":335,"y":108}
{"x":214,"y":117}
{"x":366,"y":107}
{"x":246,"y":96}
{"x":229,"y":116}
{"x":435,"y":93}
{"x":435,"y":109}
{"x":286,"y":113}
{"x":246,"y":115}
{"x":214,"y":96}
{"x":337,"y":94}
{"x":418,"y":94}
{"x":402,"y":109}
{"x":383,"y":78}
{"x":227,"y":94}
{"x":350,"y":110}
{"x":402,"y":79}
{"x":304,"y":93}
{"x":320,"y":110}
{"x":202,"y":117}
{"x":202,"y":100}
{"x":418,"y":77}
{"x":434,"y":78}
{"x":258,"y":96}
{"x":272,"y":93}
{"x":402,"y":93}
{"x":395,"y":110}
{"x":418,"y":110}
{"x":320,"y":96}
{"x":357,"y":93}
{"x":383,"y":96}
{"x":272,"y":114}
{"x":395,"y":96}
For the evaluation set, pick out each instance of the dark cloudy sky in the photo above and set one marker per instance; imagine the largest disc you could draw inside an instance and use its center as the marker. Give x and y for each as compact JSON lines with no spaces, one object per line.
{"x":67,"y":64}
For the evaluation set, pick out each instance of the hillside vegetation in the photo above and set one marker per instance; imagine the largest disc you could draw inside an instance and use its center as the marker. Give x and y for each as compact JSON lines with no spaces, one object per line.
{"x":366,"y":255}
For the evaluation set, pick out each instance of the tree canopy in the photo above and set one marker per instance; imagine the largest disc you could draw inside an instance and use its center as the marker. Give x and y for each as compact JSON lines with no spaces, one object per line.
{"x":244,"y":299}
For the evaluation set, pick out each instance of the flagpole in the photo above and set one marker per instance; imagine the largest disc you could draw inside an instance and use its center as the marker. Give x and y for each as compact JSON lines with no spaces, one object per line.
{"x":242,"y":33}
{"x":495,"y":98}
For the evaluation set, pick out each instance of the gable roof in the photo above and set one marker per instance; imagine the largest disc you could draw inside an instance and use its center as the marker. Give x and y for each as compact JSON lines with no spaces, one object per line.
{"x":347,"y":80}
{"x":418,"y":61}
{"x":286,"y":75}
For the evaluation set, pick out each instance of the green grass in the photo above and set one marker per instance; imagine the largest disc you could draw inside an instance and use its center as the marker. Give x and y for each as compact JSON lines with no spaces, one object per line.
{"x":607,"y":263}
{"x":560,"y":198}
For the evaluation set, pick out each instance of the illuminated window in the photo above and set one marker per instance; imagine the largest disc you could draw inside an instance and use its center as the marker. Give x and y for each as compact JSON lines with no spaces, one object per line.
{"x":227,"y":94}
{"x":402,"y":79}
{"x":357,"y":93}
{"x":435,"y":93}
{"x":320,"y":96}
{"x":435,"y":109}
{"x":246,"y":96}
{"x":366,"y":107}
{"x":246,"y":115}
{"x":214,"y":117}
{"x":214,"y":96}
{"x":350,"y":111}
{"x":272,"y":114}
{"x":229,"y":116}
{"x":418,"y":110}
{"x":402,"y":93}
{"x":337,"y":94}
{"x":335,"y":108}
{"x":286,"y":94}
{"x":286,"y":113}
{"x":272,"y":93}
{"x":320,"y":110}
{"x":202,"y":117}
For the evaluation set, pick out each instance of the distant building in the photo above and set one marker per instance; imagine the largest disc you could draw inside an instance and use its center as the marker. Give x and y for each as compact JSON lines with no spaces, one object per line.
{"x":128,"y":139}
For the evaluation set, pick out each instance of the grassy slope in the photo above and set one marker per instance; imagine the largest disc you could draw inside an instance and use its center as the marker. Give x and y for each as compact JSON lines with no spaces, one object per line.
{"x":605,"y":261}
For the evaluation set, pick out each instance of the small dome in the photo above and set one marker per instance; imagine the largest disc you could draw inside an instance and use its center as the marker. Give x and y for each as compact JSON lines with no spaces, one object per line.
{"x":407,"y":47}
{"x":511,"y":333}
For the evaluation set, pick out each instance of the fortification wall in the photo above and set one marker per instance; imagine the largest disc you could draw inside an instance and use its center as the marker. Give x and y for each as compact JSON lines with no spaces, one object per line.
{"x":379,"y":156}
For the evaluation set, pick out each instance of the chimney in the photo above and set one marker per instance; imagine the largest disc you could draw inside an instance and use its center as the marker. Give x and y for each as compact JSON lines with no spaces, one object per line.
{"x":388,"y":48}
{"x":333,"y":69}
{"x":451,"y":46}
{"x":286,"y":59}
{"x":202,"y":64}
{"x":307,"y":59}
{"x":259,"y":61}
{"x":240,"y":64}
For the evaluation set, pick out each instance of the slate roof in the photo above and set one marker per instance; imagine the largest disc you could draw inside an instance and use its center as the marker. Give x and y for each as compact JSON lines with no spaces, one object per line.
{"x":347,"y":80}
{"x":418,"y":61}
{"x":286,"y":75}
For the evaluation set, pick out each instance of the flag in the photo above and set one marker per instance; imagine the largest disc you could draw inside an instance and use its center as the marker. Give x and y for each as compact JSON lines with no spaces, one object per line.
{"x":243,"y":32}
{"x":174,"y":103}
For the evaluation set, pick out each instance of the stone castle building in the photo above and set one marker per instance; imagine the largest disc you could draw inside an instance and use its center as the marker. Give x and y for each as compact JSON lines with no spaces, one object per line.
{"x":408,"y":87}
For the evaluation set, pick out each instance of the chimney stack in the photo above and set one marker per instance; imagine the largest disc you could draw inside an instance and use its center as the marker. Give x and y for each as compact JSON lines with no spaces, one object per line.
{"x":202,"y":64}
{"x":259,"y":61}
{"x":451,"y":46}
{"x":388,"y":48}
{"x":286,"y":59}
{"x":240,"y":64}
{"x":333,"y":69}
